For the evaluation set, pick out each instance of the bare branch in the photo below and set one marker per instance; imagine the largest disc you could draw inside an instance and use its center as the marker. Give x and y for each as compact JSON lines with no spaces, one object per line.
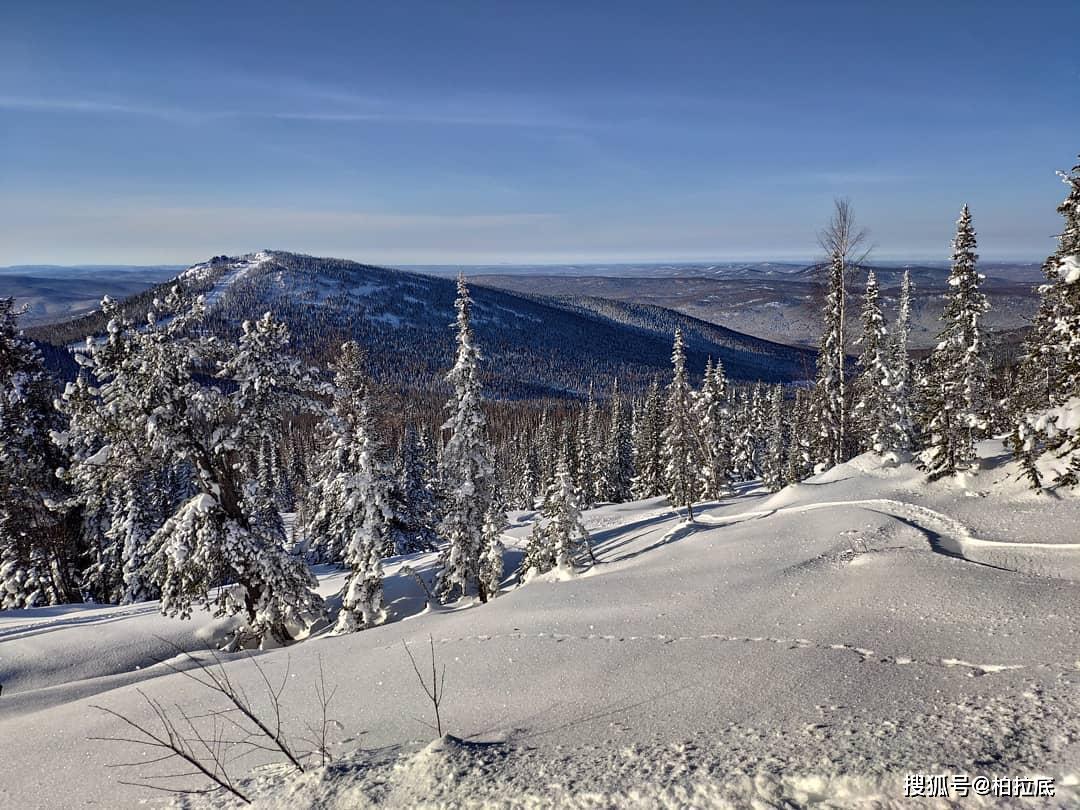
{"x":210,"y":741}
{"x":436,"y":691}
{"x":170,"y":739}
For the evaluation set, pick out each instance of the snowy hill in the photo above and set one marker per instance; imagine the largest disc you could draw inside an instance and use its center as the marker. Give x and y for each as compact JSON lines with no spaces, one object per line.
{"x":535,"y":345}
{"x":805,"y":648}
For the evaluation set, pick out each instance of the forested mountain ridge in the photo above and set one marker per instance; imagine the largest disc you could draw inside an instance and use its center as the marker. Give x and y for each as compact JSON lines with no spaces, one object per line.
{"x":534,"y":345}
{"x":785,"y":306}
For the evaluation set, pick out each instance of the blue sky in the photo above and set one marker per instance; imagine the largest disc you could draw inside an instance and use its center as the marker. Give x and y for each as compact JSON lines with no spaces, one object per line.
{"x":458,"y":132}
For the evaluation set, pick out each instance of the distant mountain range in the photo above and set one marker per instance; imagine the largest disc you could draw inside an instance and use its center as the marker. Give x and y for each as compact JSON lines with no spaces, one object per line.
{"x":535,"y":345}
{"x":1006,"y":271}
{"x":51,"y":292}
{"x":771,"y":301}
{"x":785,"y":304}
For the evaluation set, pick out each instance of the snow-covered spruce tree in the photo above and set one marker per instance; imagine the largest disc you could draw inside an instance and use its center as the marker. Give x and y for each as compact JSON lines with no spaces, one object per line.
{"x":37,"y":550}
{"x":547,"y":450}
{"x":528,"y":473}
{"x":587,"y":450}
{"x":875,"y":418}
{"x":774,"y":460}
{"x":95,"y":483}
{"x":1046,"y":399}
{"x":338,"y":508}
{"x":958,"y":403}
{"x":567,"y":449}
{"x":366,"y":516}
{"x":840,"y":240}
{"x":264,"y":377}
{"x":743,"y":462}
{"x":648,"y":445}
{"x":181,"y":419}
{"x":597,"y":465}
{"x":539,"y":555}
{"x":680,"y":454}
{"x":269,"y":472}
{"x":558,"y":538}
{"x":565,"y":531}
{"x":618,"y":454}
{"x":131,"y":529}
{"x":831,"y":395}
{"x":109,"y":469}
{"x":714,"y":432}
{"x":901,"y":436}
{"x":759,"y":425}
{"x":413,"y":497}
{"x":492,"y":566}
{"x":800,"y":457}
{"x":467,"y":472}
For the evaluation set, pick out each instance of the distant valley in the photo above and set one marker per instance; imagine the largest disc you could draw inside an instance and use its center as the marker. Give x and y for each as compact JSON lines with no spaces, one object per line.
{"x":53,"y":293}
{"x":783,"y":302}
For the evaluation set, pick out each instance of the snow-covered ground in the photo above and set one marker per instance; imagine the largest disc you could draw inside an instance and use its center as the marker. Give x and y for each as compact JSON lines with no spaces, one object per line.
{"x":805,"y":648}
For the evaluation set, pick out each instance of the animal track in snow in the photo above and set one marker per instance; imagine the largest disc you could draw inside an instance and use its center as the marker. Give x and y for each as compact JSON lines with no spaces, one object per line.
{"x":864,"y":655}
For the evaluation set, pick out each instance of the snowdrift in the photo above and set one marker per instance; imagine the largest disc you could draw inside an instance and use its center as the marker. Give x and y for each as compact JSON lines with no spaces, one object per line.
{"x":806,"y":648}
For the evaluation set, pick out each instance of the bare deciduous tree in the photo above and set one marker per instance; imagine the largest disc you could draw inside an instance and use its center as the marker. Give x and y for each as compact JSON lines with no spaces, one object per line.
{"x":845,"y":249}
{"x":319,"y":738}
{"x":434,"y":692}
{"x":209,"y":743}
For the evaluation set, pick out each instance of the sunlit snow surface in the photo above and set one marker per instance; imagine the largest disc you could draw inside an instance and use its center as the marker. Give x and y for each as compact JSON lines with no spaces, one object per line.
{"x":807,"y":648}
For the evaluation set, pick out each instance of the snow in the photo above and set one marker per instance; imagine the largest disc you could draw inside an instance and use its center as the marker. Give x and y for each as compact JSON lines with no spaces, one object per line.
{"x":1070,"y":269}
{"x":387,"y":318}
{"x":808,"y":647}
{"x":238,"y":270}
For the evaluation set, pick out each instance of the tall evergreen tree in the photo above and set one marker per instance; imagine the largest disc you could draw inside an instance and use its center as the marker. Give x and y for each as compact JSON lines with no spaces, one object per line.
{"x":874,"y":413}
{"x":154,"y":392}
{"x":714,"y":430}
{"x":107,"y":466}
{"x":364,"y":516}
{"x":548,"y":449}
{"x":467,"y":469}
{"x":648,"y":445}
{"x":744,"y":445}
{"x":831,"y":394}
{"x":840,"y":240}
{"x":37,"y":565}
{"x":774,"y":461}
{"x":587,"y":451}
{"x":800,"y":458}
{"x":681,"y":463}
{"x":529,"y":475}
{"x":559,"y":538}
{"x":902,"y":434}
{"x":618,"y":454}
{"x":1046,"y":396}
{"x":958,"y":399}
{"x":413,"y":497}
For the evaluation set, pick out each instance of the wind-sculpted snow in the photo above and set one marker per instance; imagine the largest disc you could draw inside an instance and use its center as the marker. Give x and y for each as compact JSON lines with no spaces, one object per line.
{"x":805,"y":648}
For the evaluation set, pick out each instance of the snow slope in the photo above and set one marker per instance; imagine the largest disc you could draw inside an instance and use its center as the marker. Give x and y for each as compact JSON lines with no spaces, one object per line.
{"x":805,"y":648}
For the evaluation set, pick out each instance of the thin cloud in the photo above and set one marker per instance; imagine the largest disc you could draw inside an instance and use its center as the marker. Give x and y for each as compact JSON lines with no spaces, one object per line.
{"x":98,"y":107}
{"x":330,"y":108}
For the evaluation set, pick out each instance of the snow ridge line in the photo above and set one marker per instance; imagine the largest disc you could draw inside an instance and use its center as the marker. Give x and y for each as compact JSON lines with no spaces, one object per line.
{"x":958,"y":533}
{"x":865,"y":655}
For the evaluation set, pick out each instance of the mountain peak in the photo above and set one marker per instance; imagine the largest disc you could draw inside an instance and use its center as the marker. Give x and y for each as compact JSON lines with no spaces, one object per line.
{"x":534,"y":346}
